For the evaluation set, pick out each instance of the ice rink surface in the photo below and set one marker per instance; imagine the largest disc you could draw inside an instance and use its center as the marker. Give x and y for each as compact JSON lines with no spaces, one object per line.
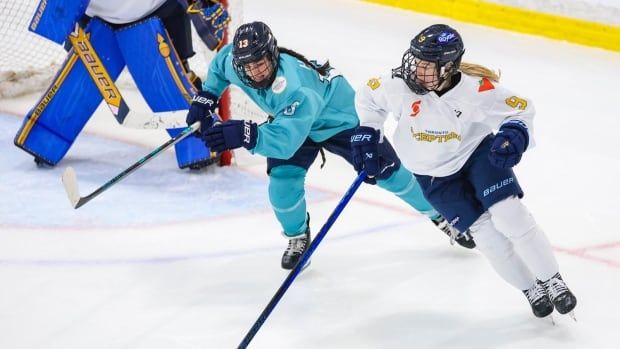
{"x":172,"y":260}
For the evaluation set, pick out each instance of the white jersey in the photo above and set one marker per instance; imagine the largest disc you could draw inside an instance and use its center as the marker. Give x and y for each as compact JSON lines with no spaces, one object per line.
{"x":122,"y":11}
{"x":436,"y":135}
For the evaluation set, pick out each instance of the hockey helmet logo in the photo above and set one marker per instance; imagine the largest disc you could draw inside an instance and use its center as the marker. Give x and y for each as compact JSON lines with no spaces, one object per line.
{"x":446,"y":37}
{"x":422,"y":38}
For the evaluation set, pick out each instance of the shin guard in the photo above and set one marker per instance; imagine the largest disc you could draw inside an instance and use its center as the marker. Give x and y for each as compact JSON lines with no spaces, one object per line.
{"x":161,"y":78}
{"x":52,"y":125}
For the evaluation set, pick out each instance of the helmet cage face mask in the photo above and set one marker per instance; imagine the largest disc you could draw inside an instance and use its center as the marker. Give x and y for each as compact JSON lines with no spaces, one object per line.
{"x":438,"y":45}
{"x":259,"y":74}
{"x":252,"y":43}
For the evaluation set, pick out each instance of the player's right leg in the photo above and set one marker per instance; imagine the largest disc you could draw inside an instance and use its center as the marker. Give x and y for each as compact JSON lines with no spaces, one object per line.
{"x":177,"y":23}
{"x":455,"y":199}
{"x":54,"y":123}
{"x":509,"y":265}
{"x":157,"y":69}
{"x":499,"y":192}
{"x":515,"y":221}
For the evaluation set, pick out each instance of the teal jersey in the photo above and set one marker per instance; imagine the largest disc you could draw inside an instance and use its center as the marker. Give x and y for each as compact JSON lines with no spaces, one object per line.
{"x":303,"y":103}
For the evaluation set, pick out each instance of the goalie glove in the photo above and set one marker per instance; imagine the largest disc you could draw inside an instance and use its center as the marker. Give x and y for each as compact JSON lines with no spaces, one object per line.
{"x":210,"y":19}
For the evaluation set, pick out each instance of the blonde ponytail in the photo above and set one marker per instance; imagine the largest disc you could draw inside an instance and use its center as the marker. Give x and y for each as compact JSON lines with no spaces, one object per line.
{"x":481,"y":71}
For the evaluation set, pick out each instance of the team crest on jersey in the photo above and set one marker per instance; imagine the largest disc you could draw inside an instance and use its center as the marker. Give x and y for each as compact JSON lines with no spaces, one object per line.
{"x":415,"y":108}
{"x":431,"y":136}
{"x":279,"y":84}
{"x":485,"y":85}
{"x":374,"y":83}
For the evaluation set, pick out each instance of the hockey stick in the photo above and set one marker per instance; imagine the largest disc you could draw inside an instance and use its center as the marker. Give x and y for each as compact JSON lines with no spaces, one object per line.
{"x":69,"y":178}
{"x":157,"y":120}
{"x":302,"y":262}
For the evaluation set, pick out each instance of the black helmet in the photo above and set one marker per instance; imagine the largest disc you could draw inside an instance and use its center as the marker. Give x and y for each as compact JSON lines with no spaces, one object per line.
{"x":252,"y":42}
{"x":439,"y":44}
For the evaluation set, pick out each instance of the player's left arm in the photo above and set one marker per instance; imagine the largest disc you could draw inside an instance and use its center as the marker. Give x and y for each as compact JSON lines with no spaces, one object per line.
{"x":513,"y":115}
{"x":508,"y":107}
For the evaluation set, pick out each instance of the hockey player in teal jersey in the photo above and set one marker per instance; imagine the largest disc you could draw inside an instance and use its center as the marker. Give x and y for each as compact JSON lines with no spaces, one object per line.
{"x":312,"y":108}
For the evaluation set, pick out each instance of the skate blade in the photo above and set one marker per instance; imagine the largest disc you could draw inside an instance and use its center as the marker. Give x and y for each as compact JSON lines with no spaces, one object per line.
{"x":549,"y":318}
{"x":572,"y":315}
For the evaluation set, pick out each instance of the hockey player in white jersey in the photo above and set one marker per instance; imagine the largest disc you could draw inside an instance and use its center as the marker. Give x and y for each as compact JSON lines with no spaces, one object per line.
{"x":446,"y":113}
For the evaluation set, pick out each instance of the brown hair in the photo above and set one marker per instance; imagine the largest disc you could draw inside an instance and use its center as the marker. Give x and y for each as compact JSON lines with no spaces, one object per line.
{"x":321,"y":69}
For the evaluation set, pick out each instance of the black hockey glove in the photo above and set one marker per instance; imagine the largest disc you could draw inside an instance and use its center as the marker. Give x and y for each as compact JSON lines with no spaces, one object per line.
{"x":509,"y":144}
{"x":365,"y":153}
{"x":203,"y":105}
{"x":232,"y":134}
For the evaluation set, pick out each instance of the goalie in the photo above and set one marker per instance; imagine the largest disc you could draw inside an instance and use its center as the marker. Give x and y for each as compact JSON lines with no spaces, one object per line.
{"x":152,"y":38}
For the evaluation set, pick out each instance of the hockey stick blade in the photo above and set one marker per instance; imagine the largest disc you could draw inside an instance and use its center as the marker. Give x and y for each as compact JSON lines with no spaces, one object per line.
{"x":69,"y":180}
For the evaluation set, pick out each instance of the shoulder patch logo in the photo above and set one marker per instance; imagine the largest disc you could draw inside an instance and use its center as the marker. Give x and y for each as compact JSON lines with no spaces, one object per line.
{"x":374,"y":83}
{"x":278,"y":85}
{"x":290,"y":110}
{"x":485,"y":85}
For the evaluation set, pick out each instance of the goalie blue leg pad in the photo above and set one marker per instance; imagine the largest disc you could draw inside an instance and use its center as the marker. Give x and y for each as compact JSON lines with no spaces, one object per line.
{"x":160,"y":76}
{"x":50,"y":128}
{"x":190,"y":151}
{"x":54,"y":19}
{"x":403,"y":184}
{"x":287,"y":197}
{"x":155,"y":65}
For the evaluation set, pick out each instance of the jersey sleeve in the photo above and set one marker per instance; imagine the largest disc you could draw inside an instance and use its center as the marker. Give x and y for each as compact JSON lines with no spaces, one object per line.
{"x":508,"y":106}
{"x":371,"y":105}
{"x":216,"y":81}
{"x":290,"y":127}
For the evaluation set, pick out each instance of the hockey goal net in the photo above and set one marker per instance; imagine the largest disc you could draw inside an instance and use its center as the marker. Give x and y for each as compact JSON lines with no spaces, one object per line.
{"x":28,"y":62}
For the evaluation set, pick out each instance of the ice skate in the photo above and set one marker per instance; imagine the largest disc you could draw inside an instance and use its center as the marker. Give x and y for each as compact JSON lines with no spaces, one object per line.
{"x":296,"y":248}
{"x":563,"y":299}
{"x":539,"y":300}
{"x":464,"y":239}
